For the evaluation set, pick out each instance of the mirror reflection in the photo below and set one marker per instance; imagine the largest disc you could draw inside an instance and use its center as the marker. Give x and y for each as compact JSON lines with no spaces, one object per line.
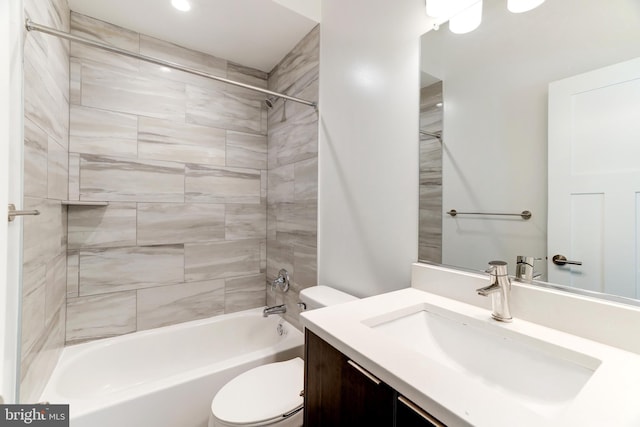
{"x":489,"y":136}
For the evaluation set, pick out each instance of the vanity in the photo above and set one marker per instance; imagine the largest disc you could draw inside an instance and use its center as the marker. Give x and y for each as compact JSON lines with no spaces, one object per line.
{"x":431,"y":355}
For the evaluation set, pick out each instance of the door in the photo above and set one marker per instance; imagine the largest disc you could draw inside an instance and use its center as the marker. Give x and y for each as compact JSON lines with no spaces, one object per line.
{"x":11,"y":119}
{"x":594,"y":179}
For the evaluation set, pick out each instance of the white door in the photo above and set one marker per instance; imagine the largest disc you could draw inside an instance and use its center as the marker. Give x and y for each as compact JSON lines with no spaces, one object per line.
{"x":11,"y":119}
{"x":594,"y":179}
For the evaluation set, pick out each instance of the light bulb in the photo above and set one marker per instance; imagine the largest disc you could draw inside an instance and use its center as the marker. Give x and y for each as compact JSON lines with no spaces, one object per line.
{"x":467,"y":20}
{"x":181,"y":5}
{"x":436,"y":8}
{"x":519,"y":6}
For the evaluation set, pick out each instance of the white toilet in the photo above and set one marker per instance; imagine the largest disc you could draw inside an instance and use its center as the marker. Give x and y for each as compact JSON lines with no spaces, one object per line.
{"x":269,"y":395}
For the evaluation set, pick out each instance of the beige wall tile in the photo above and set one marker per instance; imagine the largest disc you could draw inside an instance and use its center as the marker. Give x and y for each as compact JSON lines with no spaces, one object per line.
{"x":163,"y":223}
{"x":120,"y":179}
{"x":73,"y":274}
{"x":245,"y":221}
{"x":100,"y":316}
{"x":36,"y":148}
{"x":167,"y":140}
{"x":120,"y":269}
{"x":57,"y":171}
{"x":221,"y":260}
{"x":243,"y":293}
{"x":166,"y":305}
{"x":102,"y":226}
{"x":246,"y":150}
{"x":94,"y":131}
{"x":221,"y":185}
{"x":123,"y":91}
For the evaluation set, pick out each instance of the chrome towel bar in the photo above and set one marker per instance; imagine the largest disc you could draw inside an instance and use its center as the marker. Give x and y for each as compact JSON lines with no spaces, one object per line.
{"x":523,"y":214}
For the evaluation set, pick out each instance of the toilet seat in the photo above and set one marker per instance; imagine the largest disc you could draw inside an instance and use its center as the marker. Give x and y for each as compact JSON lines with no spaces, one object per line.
{"x":261,"y":396}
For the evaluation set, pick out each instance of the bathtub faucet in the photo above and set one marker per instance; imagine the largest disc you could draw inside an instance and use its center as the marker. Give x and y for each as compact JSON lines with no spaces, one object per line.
{"x":276,"y":309}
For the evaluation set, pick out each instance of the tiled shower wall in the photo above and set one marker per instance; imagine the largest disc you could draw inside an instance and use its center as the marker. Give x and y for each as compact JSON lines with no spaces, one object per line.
{"x":292,"y":202}
{"x":46,"y":118}
{"x":182,"y":162}
{"x":430,"y":222}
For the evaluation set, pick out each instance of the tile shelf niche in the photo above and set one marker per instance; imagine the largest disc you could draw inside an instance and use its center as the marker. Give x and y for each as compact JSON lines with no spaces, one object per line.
{"x":83,"y":203}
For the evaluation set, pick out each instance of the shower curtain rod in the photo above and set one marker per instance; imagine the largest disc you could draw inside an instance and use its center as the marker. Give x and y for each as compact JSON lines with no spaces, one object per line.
{"x":32,"y":26}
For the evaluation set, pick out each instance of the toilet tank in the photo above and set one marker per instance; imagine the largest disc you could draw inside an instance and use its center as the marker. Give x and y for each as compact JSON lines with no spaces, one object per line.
{"x":323,"y":296}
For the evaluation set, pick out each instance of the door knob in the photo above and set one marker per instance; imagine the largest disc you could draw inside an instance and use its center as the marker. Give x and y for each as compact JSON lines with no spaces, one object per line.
{"x":562,"y":260}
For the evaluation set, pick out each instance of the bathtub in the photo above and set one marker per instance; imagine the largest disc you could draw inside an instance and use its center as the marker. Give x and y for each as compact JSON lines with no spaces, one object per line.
{"x":165,"y":377}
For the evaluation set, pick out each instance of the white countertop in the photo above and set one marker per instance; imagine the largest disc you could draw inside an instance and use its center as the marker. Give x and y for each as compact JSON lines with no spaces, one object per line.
{"x":609,"y":398}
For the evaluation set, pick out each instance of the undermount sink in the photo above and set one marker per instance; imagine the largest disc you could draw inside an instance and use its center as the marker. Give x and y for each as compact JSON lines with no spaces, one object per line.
{"x":544,"y":377}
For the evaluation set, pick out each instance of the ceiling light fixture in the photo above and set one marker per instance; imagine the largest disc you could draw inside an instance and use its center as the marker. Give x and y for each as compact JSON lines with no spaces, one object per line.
{"x":466,"y":15}
{"x":467,"y":20}
{"x":519,"y":6}
{"x":181,"y":5}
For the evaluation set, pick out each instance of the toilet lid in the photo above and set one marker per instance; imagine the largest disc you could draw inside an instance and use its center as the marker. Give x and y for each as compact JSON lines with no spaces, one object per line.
{"x":261,"y":394}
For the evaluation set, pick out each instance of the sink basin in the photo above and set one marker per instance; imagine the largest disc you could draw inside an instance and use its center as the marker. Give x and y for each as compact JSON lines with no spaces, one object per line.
{"x":542,"y":376}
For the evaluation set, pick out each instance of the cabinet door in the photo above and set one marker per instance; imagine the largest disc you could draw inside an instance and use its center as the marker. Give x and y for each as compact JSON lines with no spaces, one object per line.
{"x":408,"y":414}
{"x":338,"y":392}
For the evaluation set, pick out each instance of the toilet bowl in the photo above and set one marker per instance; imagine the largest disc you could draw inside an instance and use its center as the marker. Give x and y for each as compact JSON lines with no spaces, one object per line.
{"x":271,"y":394}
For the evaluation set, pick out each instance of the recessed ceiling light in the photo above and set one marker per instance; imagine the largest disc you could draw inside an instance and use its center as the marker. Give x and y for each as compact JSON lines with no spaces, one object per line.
{"x":181,"y":5}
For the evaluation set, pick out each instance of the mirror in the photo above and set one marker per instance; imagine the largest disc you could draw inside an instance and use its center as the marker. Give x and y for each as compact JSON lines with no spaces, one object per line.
{"x":494,"y":123}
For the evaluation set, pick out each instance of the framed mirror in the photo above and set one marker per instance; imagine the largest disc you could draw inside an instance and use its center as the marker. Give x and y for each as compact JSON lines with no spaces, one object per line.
{"x":484,"y":149}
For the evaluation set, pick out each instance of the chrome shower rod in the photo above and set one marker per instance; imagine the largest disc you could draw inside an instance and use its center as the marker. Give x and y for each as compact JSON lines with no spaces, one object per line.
{"x":32,"y":26}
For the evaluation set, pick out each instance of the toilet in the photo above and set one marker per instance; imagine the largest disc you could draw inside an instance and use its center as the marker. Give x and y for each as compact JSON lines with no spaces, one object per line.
{"x":269,"y":395}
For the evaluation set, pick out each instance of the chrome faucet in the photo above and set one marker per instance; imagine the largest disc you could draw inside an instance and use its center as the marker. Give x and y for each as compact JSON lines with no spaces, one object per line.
{"x":499,"y":289}
{"x":276,"y":309}
{"x":282,"y":281}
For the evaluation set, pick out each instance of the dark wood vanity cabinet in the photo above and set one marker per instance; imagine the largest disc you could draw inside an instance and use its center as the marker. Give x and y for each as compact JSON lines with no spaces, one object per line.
{"x":339,"y":392}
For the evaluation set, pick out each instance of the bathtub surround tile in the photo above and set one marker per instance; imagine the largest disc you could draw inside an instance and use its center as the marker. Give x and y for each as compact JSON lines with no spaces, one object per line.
{"x":44,"y":235}
{"x":44,"y":101}
{"x":103,"y":32}
{"x":33,"y":314}
{"x":94,"y":131}
{"x":223,"y":106}
{"x":280,"y":255}
{"x":73,"y":274}
{"x":165,"y":223}
{"x":221,"y":260}
{"x":100,"y":316}
{"x":306,"y":180}
{"x":40,"y":362}
{"x":246,"y":150}
{"x":221,"y":185}
{"x":250,"y":76}
{"x":281,"y":184}
{"x":56,"y":286}
{"x":245,"y":221}
{"x":244,"y":293}
{"x":74,"y":176}
{"x":297,"y":138}
{"x":300,"y":67}
{"x":120,"y":179}
{"x":36,"y":147}
{"x":292,"y":175}
{"x":75,"y":81}
{"x":46,"y":91}
{"x":57,"y":171}
{"x":129,"y":92}
{"x":166,"y":305}
{"x":121,"y":269}
{"x":172,"y":141}
{"x":102,"y":226}
{"x":166,"y":51}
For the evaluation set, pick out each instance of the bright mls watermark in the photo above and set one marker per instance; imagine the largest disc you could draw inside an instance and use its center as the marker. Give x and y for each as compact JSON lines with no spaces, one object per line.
{"x":34,"y":415}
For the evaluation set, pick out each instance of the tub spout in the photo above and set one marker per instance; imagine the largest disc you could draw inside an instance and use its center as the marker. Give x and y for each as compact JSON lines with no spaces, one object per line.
{"x":276,"y":309}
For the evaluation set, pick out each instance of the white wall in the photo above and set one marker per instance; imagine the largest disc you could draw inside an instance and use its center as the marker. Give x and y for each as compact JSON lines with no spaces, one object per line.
{"x":10,"y":166}
{"x":495,"y":115}
{"x":368,"y":144}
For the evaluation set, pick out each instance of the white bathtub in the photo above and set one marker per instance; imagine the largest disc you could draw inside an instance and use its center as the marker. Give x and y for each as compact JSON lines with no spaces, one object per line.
{"x":165,"y":377}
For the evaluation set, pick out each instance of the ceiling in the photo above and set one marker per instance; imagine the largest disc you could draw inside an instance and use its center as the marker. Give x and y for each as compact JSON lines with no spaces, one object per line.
{"x":254,"y":33}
